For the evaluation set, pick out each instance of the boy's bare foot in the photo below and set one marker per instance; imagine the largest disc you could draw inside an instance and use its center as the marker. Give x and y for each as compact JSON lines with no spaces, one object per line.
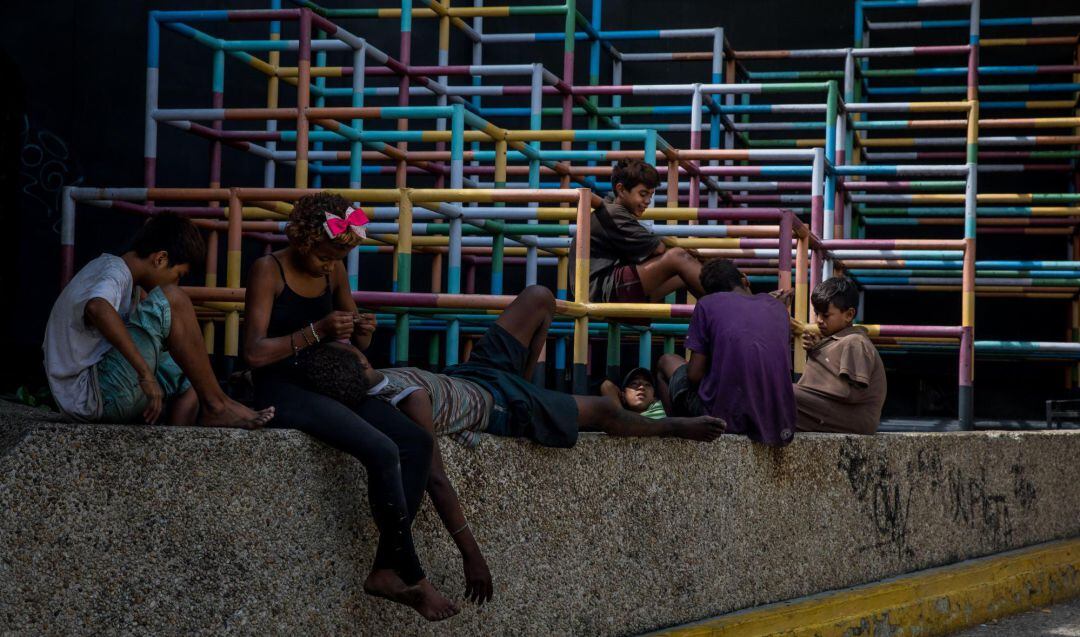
{"x":232,"y":414}
{"x":422,"y":597}
{"x":702,"y":428}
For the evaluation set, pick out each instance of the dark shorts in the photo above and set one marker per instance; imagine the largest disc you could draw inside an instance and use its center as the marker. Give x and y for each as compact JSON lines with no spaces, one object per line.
{"x":522,"y":410}
{"x":684,"y":398}
{"x":627,"y":286}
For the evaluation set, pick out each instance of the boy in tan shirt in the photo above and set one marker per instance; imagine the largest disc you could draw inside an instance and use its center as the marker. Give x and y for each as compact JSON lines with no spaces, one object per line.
{"x":843,"y":386}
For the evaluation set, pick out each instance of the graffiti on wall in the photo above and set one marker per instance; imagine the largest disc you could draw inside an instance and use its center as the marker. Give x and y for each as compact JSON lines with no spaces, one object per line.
{"x":46,"y":166}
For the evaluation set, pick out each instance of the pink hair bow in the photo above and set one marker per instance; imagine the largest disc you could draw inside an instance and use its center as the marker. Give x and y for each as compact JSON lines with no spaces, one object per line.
{"x":354,"y":220}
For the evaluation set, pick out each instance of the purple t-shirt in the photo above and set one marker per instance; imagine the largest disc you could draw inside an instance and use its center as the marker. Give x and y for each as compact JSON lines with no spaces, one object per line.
{"x":748,"y":383}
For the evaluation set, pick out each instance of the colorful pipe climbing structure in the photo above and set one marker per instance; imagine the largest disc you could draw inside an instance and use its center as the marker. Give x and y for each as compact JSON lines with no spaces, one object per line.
{"x":865,"y":161}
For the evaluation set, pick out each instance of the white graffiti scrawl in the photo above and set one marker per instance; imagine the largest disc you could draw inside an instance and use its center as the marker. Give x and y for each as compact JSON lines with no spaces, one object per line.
{"x":46,"y":166}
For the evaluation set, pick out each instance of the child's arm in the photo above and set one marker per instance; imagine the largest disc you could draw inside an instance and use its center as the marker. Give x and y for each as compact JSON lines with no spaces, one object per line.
{"x":104,"y":318}
{"x":698,"y":366}
{"x":610,"y":391}
{"x":478,"y":588}
{"x":261,"y":350}
{"x":343,"y":300}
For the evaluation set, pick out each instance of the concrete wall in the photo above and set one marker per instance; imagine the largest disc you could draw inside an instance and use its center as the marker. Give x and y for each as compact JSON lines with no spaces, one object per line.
{"x":162,"y":530}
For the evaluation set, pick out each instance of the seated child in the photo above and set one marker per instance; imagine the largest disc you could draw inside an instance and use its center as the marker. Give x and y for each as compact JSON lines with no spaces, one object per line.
{"x":113,"y":358}
{"x":843,"y":386}
{"x":627,"y":262}
{"x":637,"y":393}
{"x":740,"y":370}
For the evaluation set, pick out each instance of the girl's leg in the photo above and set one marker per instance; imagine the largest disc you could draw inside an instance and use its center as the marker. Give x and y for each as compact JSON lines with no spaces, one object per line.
{"x":414,"y":444}
{"x":338,"y":426}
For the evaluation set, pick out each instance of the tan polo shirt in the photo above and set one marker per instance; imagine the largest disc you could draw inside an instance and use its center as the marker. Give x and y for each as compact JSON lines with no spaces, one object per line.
{"x":843,"y":386}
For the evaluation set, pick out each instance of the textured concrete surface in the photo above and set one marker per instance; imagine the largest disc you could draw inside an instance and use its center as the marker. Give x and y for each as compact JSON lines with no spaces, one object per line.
{"x":127,"y":529}
{"x":1059,"y":620}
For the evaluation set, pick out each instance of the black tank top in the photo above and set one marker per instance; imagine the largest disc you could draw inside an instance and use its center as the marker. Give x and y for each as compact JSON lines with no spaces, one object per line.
{"x":292,"y":311}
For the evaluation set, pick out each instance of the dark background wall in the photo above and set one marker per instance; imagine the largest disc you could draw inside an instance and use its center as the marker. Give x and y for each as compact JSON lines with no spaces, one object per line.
{"x":74,"y":106}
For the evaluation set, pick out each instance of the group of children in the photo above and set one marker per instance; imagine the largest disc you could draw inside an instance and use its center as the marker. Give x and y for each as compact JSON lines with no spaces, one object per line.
{"x":739,"y":367}
{"x":115,"y":353}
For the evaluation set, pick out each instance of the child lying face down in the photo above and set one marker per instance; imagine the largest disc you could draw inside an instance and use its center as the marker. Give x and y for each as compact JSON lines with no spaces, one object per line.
{"x":843,"y":386}
{"x":637,"y":393}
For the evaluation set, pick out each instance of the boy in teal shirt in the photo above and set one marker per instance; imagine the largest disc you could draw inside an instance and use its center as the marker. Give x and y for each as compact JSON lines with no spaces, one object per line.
{"x":637,"y":393}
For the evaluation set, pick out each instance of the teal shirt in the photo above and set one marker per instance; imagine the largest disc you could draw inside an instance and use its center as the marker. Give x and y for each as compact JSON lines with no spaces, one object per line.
{"x":655,"y":411}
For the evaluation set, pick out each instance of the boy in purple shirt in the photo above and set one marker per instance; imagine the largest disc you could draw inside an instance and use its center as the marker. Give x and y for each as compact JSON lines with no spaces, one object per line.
{"x":741,"y":367}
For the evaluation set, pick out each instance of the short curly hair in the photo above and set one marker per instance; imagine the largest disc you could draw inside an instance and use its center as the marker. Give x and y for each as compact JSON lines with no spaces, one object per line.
{"x":720,"y":275}
{"x":333,"y":370}
{"x":305,"y":227}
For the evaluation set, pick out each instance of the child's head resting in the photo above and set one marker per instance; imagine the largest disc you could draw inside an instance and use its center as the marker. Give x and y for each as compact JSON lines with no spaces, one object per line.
{"x":633,"y":182}
{"x":721,"y":275}
{"x":835,"y":302}
{"x":169,"y":244}
{"x":638,"y":391}
{"x":321,"y":230}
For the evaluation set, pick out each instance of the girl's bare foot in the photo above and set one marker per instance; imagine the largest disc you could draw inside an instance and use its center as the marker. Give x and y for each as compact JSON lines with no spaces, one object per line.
{"x":232,"y":414}
{"x":421,"y":597}
{"x":702,"y":428}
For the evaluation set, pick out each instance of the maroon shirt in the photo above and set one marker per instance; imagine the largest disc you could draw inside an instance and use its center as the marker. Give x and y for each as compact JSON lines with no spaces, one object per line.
{"x":748,"y":382}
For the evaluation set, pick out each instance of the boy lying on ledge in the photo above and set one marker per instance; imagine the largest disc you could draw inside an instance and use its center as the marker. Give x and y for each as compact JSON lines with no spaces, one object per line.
{"x":637,"y":393}
{"x":490,"y":393}
{"x":843,"y":386}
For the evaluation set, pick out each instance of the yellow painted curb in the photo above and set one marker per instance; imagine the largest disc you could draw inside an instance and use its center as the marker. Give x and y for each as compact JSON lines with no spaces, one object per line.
{"x":936,"y":601}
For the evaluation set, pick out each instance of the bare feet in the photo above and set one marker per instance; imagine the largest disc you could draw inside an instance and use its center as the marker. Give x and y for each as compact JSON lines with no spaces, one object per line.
{"x":232,"y":414}
{"x":422,"y":597}
{"x":702,"y":428}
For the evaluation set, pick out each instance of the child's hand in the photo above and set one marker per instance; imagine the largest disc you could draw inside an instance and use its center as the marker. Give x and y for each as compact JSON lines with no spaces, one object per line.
{"x":810,"y":339}
{"x":478,"y":588}
{"x":784,"y":296}
{"x":336,"y":325}
{"x":155,"y":397}
{"x":365,"y":323}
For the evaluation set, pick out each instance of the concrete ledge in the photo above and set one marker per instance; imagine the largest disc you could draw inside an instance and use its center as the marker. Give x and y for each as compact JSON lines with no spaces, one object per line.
{"x":936,"y":601}
{"x":110,"y":529}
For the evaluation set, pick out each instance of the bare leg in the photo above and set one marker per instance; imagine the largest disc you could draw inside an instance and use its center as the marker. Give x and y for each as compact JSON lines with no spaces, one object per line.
{"x":675,"y":262}
{"x":184,"y":410}
{"x":421,"y":597}
{"x":188,"y":349}
{"x":665,"y":369}
{"x":528,"y":319}
{"x":667,"y":287}
{"x":596,"y":413}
